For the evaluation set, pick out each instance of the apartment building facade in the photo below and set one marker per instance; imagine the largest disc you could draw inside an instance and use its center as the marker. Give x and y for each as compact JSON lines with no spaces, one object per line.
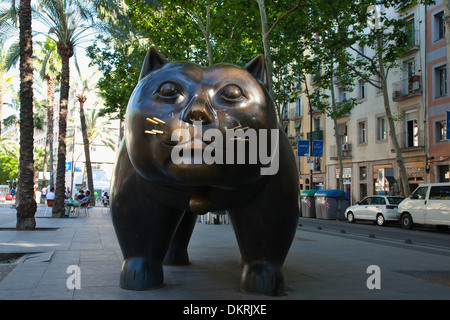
{"x":419,"y":100}
{"x":438,"y":95}
{"x":302,"y":121}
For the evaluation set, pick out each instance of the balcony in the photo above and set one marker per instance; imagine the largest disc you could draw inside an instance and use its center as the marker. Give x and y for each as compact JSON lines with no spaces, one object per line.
{"x":411,"y":140}
{"x":316,"y":135}
{"x":413,"y":42}
{"x":346,"y":151}
{"x":407,"y":88}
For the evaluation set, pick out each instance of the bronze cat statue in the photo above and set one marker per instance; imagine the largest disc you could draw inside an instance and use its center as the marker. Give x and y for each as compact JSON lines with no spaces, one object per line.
{"x":197,"y":140}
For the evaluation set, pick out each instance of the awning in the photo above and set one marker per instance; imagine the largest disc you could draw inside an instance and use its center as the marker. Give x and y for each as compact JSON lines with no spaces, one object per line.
{"x":391,"y":179}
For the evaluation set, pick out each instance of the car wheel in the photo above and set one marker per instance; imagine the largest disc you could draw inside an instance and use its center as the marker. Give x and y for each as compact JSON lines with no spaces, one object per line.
{"x":406,"y":221}
{"x":380,"y":220}
{"x":350,"y":217}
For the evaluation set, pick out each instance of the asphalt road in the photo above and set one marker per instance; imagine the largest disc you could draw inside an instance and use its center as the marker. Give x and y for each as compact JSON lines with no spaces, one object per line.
{"x":420,"y":238}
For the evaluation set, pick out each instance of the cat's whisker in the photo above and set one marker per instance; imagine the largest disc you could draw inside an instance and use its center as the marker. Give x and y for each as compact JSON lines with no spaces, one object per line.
{"x":237,"y":127}
{"x":152,"y":121}
{"x":157,"y":131}
{"x":149,"y":132}
{"x":159,"y":120}
{"x":245,"y":128}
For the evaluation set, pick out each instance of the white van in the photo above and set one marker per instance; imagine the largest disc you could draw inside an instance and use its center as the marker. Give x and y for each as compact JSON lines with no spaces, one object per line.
{"x":429,"y":204}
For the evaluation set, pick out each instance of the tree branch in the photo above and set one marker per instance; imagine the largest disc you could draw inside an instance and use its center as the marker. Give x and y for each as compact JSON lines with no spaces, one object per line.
{"x":285,"y":15}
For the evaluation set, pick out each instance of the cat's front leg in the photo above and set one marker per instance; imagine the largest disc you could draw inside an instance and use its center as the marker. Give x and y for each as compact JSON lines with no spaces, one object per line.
{"x":265,"y":228}
{"x":144,"y":228}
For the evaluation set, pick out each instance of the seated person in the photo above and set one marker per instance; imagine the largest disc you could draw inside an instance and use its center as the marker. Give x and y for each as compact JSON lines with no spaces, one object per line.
{"x":80,"y":195}
{"x":51,"y":194}
{"x":83,"y":203}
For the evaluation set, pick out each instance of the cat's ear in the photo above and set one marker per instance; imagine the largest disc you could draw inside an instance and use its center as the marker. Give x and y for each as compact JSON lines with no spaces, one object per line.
{"x":257,"y":67}
{"x":153,"y":61}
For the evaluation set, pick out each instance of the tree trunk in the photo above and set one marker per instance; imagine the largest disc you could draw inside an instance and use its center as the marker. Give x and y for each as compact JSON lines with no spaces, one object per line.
{"x":336,"y":132}
{"x":266,"y":45}
{"x":392,"y":132}
{"x":58,"y":207}
{"x":87,"y":153}
{"x":48,"y":158}
{"x":27,"y":205}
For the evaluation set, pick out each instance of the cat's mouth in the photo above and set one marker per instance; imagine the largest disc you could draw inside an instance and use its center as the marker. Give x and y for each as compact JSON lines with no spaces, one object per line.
{"x":190,"y":138}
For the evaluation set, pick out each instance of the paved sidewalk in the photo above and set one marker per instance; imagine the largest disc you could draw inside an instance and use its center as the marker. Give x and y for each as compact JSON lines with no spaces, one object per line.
{"x":320,"y":265}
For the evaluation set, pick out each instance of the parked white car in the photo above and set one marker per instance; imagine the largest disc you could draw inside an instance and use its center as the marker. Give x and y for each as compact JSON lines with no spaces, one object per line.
{"x":375,"y":208}
{"x":429,"y":204}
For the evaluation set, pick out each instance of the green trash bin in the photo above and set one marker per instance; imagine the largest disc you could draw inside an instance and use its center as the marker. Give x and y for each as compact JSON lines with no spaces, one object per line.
{"x":308,"y":209}
{"x":331,"y":204}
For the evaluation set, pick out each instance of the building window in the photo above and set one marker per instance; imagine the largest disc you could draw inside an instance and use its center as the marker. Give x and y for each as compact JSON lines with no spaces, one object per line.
{"x":441,"y":129}
{"x":342,"y":91}
{"x":298,"y":107}
{"x":411,"y":32}
{"x":381,"y":129}
{"x":362,"y":173}
{"x":362,"y":89}
{"x":362,"y":132}
{"x":440,"y":26}
{"x":316,"y":123}
{"x":441,"y":74}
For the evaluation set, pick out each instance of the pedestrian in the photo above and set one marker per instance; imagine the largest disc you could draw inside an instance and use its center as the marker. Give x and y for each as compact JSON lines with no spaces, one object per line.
{"x":43,"y":194}
{"x":13,"y":194}
{"x":105,"y":199}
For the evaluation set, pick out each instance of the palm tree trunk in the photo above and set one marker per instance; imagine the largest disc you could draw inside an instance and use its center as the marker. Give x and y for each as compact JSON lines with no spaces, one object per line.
{"x":58,"y":206}
{"x":87,"y":153}
{"x":49,"y":144}
{"x":27,"y":204}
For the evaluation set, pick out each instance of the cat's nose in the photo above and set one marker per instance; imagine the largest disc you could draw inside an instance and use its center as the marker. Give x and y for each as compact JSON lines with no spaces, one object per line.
{"x":198,"y":109}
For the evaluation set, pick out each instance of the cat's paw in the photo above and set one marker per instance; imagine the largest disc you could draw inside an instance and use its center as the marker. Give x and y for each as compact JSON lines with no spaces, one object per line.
{"x":262,"y":277}
{"x":139,"y":273}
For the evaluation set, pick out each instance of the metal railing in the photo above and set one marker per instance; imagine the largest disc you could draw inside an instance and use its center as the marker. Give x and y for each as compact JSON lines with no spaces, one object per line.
{"x":414,"y":139}
{"x":407,"y":88}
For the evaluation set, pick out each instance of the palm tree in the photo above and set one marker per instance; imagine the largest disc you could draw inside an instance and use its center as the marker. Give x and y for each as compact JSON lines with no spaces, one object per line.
{"x":50,"y":73}
{"x":5,"y":79}
{"x":87,"y":85}
{"x":69,"y":22}
{"x":27,"y":204}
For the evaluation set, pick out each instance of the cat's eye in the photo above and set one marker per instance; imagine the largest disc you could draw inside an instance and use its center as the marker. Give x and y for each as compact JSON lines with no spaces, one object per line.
{"x":232,"y":93}
{"x":168,"y":90}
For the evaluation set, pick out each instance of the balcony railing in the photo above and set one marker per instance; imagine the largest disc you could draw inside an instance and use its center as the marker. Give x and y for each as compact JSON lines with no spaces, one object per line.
{"x":411,"y":140}
{"x":407,"y":88}
{"x":346,"y":151}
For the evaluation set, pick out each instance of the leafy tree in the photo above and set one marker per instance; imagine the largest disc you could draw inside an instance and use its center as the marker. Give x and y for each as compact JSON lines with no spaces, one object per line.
{"x":6,"y":61}
{"x":386,"y":37}
{"x":69,"y":23}
{"x":50,"y":63}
